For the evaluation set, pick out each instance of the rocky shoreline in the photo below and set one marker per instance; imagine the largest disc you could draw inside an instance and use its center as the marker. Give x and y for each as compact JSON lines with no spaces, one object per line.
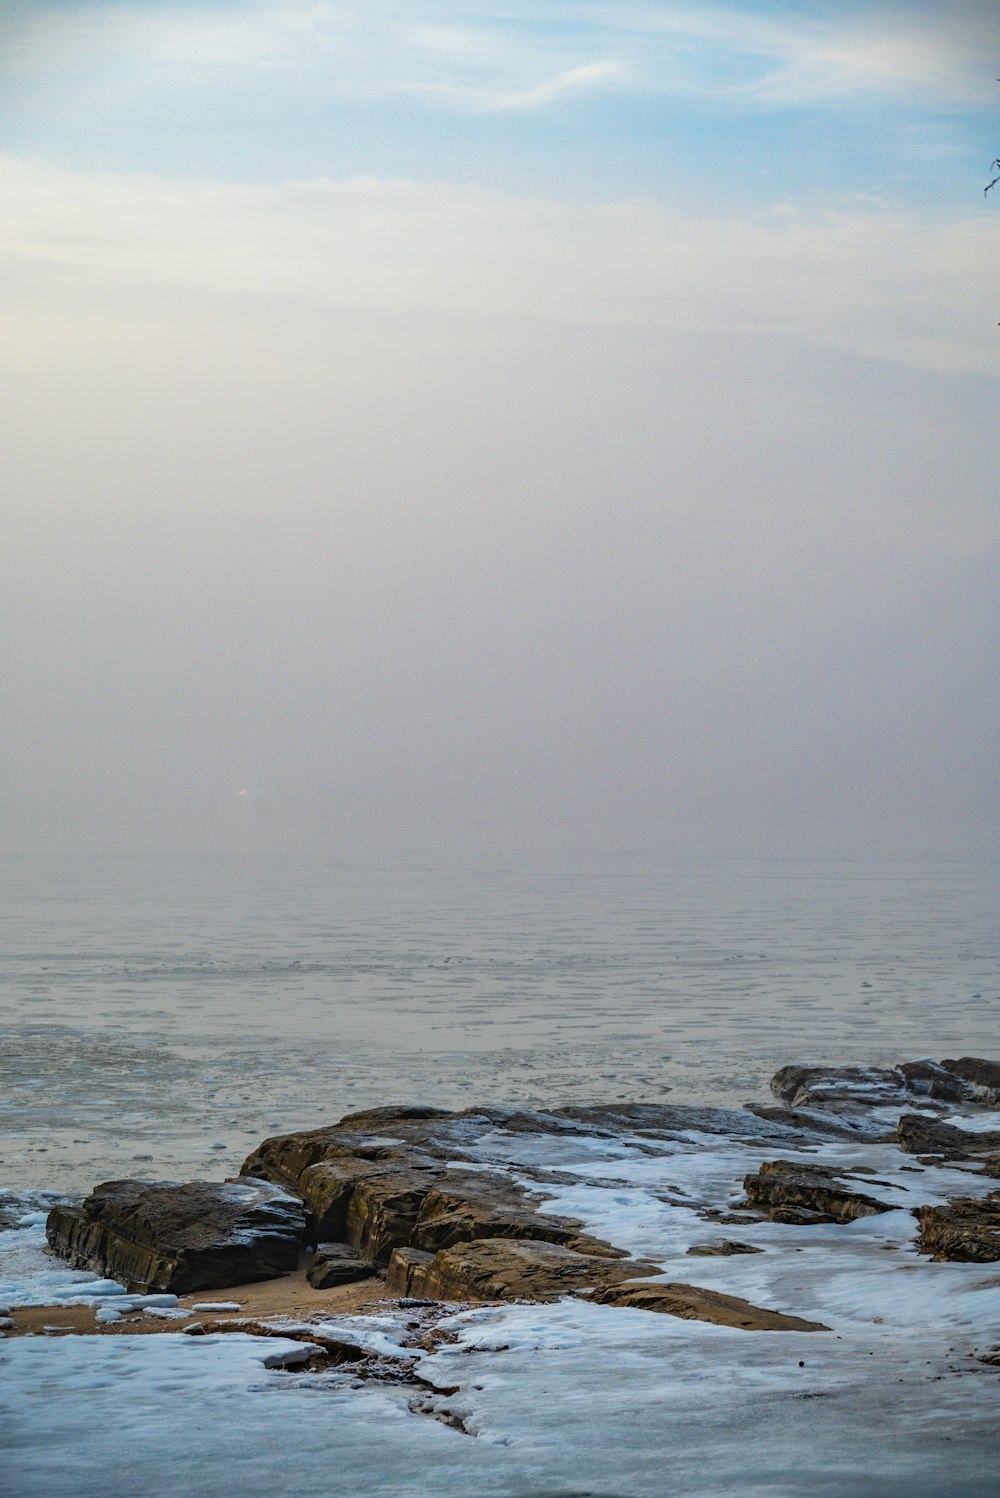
{"x":802,"y":1296}
{"x":430,"y":1203}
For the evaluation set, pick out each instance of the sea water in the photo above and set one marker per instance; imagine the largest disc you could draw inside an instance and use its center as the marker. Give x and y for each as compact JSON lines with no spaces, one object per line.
{"x":159,"y":1016}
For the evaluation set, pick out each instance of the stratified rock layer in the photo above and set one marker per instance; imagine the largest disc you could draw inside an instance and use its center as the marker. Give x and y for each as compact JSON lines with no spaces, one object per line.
{"x":387,"y":1179}
{"x":856,"y":1088}
{"x":505,"y":1269}
{"x":794,"y":1191}
{"x":963,"y":1231}
{"x":980,"y":1149}
{"x":204,"y":1235}
{"x":393,"y":1183}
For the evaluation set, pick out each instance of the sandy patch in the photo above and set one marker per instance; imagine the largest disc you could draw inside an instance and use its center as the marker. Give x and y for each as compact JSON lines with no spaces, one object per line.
{"x":291,"y":1296}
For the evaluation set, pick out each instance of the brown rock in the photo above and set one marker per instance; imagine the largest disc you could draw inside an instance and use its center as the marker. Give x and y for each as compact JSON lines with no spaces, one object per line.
{"x":929,"y":1079}
{"x":796,"y":1191}
{"x":692,"y":1303}
{"x":982,"y":1078}
{"x":919,"y":1135}
{"x":835,"y":1086}
{"x":964,"y":1231}
{"x":338,"y":1264}
{"x":462,"y":1205}
{"x":725,"y":1249}
{"x":506,"y":1269}
{"x":382,"y":1212}
{"x":402,"y":1267}
{"x":204,"y":1235}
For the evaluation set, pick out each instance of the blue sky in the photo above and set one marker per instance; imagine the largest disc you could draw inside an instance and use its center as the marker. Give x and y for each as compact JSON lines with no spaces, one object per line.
{"x":500,"y":424}
{"x":700,"y":103}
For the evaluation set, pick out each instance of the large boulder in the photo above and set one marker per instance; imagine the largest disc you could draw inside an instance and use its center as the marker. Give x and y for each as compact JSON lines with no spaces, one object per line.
{"x":795,"y":1191}
{"x":964,"y":1230}
{"x":388,"y":1179}
{"x":203,"y":1235}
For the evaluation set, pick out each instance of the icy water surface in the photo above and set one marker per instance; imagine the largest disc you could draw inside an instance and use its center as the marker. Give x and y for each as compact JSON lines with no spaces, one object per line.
{"x":161,"y":1016}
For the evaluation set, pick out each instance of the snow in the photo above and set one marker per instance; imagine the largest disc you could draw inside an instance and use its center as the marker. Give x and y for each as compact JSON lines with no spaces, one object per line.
{"x":31,"y":1276}
{"x":976,"y":1123}
{"x":28,"y":1277}
{"x":564,"y":1399}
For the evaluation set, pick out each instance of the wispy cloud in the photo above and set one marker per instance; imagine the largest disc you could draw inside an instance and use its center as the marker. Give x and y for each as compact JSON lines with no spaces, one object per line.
{"x":466,"y":57}
{"x":920,"y":293}
{"x":749,"y":55}
{"x":726,"y":52}
{"x":588,"y":78}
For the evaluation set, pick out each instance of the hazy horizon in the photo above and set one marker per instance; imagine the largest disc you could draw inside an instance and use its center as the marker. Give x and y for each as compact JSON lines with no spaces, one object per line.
{"x":539,"y":427}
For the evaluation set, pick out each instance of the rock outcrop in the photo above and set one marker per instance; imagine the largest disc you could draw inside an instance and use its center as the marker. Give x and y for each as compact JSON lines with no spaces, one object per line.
{"x":794,"y":1191}
{"x":834,"y":1087}
{"x":965,"y":1230}
{"x":981,"y":1079}
{"x":204,"y":1235}
{"x":931,"y":1138}
{"x":725,"y":1249}
{"x":392,"y":1178}
{"x":853,"y":1089}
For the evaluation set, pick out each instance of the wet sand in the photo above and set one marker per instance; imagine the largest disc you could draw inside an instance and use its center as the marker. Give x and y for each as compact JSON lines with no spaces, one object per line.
{"x":290,"y":1297}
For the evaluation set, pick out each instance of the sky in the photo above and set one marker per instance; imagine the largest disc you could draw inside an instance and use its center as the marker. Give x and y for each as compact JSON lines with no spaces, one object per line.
{"x":499,"y":425}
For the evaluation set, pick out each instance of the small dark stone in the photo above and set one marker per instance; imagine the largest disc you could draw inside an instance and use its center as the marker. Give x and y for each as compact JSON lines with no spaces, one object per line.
{"x":338,"y":1264}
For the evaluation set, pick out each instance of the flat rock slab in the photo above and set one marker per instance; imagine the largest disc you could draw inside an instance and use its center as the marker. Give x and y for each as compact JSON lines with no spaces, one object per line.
{"x":964,"y":1231}
{"x":203,"y":1235}
{"x":692,"y":1303}
{"x":795,"y":1191}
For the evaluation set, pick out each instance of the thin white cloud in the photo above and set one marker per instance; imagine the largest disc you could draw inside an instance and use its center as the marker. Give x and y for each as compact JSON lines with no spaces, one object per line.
{"x":726,"y":52}
{"x":589,"y":78}
{"x":920,"y":293}
{"x":461,"y":56}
